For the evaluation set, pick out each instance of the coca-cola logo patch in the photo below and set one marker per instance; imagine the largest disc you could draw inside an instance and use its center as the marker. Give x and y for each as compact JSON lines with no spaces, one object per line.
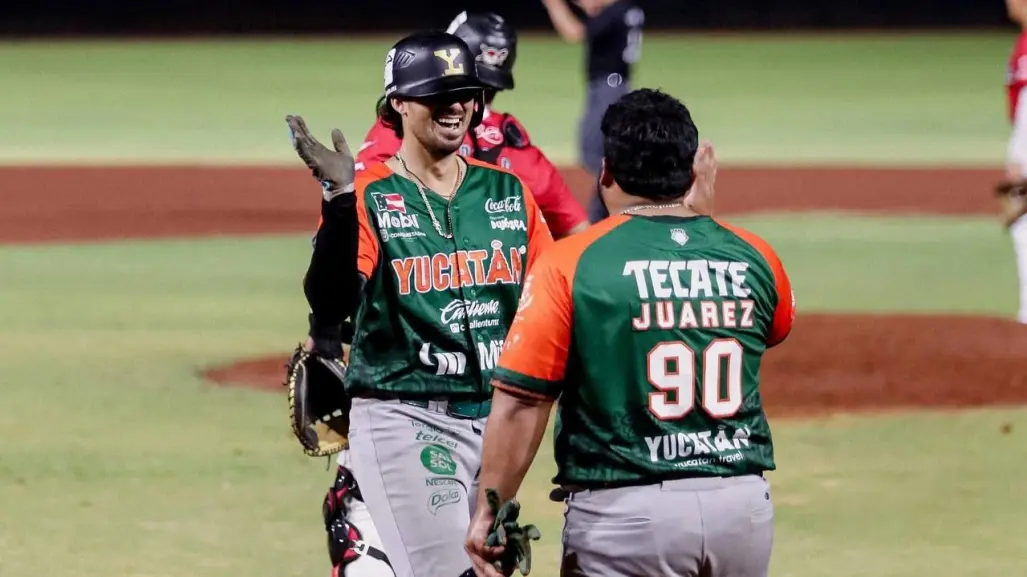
{"x":503,"y":206}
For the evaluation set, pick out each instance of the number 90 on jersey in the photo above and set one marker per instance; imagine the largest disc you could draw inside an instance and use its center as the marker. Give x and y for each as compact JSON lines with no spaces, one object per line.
{"x":671,"y":369}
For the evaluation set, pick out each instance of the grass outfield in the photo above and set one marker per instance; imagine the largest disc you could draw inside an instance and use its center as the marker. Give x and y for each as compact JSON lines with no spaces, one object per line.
{"x":118,"y":460}
{"x":763,"y":99}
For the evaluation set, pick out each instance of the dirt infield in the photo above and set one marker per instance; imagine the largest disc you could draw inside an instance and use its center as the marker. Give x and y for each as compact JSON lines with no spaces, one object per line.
{"x":830,"y":363}
{"x":42,"y":204}
{"x":843,"y":363}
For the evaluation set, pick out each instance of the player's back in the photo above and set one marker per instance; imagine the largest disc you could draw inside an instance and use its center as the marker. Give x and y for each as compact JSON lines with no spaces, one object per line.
{"x":671,"y":317}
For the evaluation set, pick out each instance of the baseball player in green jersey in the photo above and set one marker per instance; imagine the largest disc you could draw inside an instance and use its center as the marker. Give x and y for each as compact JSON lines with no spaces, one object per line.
{"x":648,"y":328}
{"x":442,"y":245}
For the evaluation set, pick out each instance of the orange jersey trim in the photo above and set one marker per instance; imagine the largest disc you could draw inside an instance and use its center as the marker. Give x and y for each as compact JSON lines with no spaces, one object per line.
{"x":784,"y":313}
{"x":367,"y":243}
{"x":539,"y":339}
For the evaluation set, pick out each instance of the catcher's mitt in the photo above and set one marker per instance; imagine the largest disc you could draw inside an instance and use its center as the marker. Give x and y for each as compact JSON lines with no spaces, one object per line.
{"x":318,"y":403}
{"x":506,"y":531}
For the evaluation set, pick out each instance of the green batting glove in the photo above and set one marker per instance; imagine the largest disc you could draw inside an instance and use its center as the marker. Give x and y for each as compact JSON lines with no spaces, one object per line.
{"x":507,"y":532}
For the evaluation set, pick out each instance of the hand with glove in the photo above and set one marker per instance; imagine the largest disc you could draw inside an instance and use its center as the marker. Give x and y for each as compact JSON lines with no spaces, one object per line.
{"x":496,"y":543}
{"x":329,"y":341}
{"x":334,"y":169}
{"x":318,"y":403}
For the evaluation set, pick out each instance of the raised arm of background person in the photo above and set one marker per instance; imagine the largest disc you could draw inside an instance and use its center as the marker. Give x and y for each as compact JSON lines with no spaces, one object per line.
{"x":1017,"y":11}
{"x":566,"y":23}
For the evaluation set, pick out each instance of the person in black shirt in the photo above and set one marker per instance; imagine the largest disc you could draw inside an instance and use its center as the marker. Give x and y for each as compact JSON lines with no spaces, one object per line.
{"x":613,"y":32}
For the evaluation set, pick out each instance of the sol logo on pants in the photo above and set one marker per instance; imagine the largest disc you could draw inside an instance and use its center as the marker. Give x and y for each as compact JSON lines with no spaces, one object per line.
{"x":438,"y":460}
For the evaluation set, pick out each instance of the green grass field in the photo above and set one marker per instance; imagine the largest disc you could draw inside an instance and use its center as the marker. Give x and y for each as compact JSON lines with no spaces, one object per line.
{"x":768,"y":99}
{"x":116,"y":458}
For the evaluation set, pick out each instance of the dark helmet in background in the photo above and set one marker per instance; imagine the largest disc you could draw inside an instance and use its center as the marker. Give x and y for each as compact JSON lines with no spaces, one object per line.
{"x":494,"y":44}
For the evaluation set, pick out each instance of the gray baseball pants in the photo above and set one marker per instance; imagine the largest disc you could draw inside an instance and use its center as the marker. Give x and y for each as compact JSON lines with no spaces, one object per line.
{"x":417,"y":469}
{"x":602,"y":93}
{"x":714,"y":527}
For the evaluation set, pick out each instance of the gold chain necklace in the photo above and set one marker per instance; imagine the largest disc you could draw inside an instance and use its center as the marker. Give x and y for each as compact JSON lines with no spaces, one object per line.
{"x":639,"y":207}
{"x":449,"y":203}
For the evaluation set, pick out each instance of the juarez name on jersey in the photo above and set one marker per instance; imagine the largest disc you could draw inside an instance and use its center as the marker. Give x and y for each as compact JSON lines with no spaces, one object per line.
{"x":681,"y":338}
{"x":438,"y":309}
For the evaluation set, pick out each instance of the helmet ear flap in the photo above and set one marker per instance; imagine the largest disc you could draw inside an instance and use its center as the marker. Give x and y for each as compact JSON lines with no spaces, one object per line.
{"x":479,"y":109}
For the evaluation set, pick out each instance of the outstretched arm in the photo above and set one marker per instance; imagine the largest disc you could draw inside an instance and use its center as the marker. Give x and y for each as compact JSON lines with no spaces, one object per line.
{"x":344,"y":253}
{"x":566,"y":23}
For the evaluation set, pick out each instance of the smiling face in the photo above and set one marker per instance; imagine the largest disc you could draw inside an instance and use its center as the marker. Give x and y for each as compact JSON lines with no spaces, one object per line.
{"x":440,"y":122}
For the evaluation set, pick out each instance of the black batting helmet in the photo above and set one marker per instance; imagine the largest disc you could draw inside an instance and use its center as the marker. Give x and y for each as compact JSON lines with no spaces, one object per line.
{"x":493,"y":43}
{"x":428,"y":64}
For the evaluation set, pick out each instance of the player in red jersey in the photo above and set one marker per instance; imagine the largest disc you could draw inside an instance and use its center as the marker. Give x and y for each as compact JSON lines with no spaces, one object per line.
{"x":500,"y":139}
{"x":1014,"y":205}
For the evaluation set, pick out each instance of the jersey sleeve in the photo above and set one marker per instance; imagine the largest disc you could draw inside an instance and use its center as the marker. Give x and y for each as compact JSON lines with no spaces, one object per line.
{"x":784,"y":309}
{"x":561,"y":209}
{"x":379,"y":144}
{"x":784,"y":313}
{"x":367,"y":242}
{"x":534,"y":356}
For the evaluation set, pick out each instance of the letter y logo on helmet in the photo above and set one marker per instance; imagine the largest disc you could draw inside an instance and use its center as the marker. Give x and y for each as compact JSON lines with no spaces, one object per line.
{"x":449,"y":56}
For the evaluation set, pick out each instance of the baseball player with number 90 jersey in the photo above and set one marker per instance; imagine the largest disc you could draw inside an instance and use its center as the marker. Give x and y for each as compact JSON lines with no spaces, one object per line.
{"x":649,"y":329}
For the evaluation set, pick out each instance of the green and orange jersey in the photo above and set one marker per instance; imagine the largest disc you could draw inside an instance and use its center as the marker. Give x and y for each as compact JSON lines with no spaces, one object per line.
{"x":434,"y":313}
{"x":650,"y":331}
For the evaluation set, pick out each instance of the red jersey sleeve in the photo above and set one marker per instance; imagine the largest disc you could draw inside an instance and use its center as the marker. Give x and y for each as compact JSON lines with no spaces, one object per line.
{"x":379,"y":144}
{"x":560,"y":208}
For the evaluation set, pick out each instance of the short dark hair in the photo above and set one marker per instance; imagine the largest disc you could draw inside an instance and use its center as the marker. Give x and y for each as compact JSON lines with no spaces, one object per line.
{"x":389,"y":116}
{"x":649,"y":143}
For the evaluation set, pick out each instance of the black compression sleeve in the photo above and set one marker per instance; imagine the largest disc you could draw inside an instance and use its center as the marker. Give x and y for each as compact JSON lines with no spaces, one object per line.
{"x":332,"y":284}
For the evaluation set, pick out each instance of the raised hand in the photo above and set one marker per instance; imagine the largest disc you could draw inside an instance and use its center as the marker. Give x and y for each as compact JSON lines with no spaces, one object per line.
{"x":334,"y":169}
{"x":701,"y":196}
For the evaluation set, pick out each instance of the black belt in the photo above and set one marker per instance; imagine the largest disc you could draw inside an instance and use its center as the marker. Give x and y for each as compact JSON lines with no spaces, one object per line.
{"x":563,"y":491}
